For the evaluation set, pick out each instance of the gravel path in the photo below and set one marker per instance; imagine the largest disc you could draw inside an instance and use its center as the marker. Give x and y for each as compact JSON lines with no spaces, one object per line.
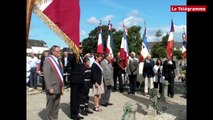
{"x":175,"y":109}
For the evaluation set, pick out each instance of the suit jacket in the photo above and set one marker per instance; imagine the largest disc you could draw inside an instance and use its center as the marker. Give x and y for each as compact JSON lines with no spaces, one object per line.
{"x":77,"y":69}
{"x":132,"y":68}
{"x":117,"y":69}
{"x":51,"y":78}
{"x":96,"y":74}
{"x":148,"y":69}
{"x":107,"y":72}
{"x":168,"y":70}
{"x":42,"y":63}
{"x":66,"y":68}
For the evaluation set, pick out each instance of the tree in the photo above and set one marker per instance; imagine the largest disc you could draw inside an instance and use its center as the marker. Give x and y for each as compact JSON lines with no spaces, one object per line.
{"x":178,"y":54}
{"x":90,"y":44}
{"x":164,"y":40}
{"x":133,"y":39}
{"x":158,"y":51}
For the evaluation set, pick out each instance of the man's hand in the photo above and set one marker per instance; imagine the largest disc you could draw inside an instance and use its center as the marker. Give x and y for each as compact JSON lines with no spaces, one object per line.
{"x":96,"y":85}
{"x":51,"y":91}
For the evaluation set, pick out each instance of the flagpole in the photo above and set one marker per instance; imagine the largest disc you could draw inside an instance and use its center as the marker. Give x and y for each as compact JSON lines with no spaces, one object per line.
{"x":29,"y":6}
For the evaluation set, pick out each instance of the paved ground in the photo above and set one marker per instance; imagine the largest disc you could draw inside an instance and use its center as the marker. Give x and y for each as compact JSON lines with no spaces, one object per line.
{"x":175,"y":109}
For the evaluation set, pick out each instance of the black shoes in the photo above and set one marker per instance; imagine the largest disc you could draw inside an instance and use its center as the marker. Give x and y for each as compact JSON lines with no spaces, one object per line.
{"x":105,"y":104}
{"x":131,"y":93}
{"x":88,"y":111}
{"x":83,"y":112}
{"x":109,"y":104}
{"x":171,"y":96}
{"x":77,"y":118}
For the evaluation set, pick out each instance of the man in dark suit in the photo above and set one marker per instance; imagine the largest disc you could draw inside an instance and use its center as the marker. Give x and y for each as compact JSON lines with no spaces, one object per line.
{"x":76,"y":83}
{"x":66,"y":65}
{"x":53,"y":77}
{"x":117,"y":72}
{"x":46,"y":55}
{"x":169,"y":74}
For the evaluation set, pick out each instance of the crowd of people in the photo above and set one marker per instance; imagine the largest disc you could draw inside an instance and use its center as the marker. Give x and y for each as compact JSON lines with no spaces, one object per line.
{"x":98,"y":72}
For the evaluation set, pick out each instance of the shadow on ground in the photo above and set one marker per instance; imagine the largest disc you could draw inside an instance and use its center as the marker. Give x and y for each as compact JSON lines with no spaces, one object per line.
{"x":175,"y":109}
{"x":65,"y":108}
{"x":42,"y":114}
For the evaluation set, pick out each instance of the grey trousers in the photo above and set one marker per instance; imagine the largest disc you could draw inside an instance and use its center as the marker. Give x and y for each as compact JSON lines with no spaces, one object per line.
{"x":52,"y":106}
{"x":106,"y":95}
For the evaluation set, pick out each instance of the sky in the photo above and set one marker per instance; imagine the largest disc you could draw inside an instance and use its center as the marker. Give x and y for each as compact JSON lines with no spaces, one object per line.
{"x":156,"y":13}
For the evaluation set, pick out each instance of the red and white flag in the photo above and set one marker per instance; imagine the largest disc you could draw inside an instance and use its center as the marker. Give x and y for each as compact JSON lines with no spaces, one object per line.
{"x":100,"y":46}
{"x":170,"y":42}
{"x":124,"y":51}
{"x":109,"y":47}
{"x":109,"y":44}
{"x":63,"y":17}
{"x":184,"y":44}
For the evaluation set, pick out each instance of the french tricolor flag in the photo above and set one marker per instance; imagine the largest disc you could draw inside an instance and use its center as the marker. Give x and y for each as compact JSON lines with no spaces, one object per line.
{"x":109,"y":46}
{"x":100,"y":47}
{"x":170,"y":42}
{"x":144,"y":47}
{"x":124,"y":51}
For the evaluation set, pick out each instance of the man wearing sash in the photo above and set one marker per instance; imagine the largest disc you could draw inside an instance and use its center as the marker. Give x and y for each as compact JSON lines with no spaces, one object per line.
{"x":53,"y":77}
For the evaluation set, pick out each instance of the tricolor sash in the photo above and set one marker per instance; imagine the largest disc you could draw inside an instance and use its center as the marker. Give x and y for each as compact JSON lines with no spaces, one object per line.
{"x":98,"y":65}
{"x":57,"y":69}
{"x":101,"y":70}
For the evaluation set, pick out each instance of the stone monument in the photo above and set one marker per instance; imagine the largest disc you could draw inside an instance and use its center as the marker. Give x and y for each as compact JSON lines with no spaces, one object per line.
{"x":163,"y":96}
{"x":129,"y":109}
{"x":152,"y":108}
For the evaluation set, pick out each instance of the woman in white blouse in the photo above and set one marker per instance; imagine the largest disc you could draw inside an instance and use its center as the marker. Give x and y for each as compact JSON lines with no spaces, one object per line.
{"x":158,"y":67}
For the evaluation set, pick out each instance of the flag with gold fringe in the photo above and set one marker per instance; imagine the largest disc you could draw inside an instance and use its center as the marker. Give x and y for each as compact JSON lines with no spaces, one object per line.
{"x":63,"y":17}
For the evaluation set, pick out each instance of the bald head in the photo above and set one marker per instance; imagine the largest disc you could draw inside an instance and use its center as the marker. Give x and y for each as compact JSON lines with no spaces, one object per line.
{"x":132,"y":54}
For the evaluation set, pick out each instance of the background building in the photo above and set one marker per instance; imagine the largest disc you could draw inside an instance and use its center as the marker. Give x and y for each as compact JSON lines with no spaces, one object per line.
{"x":36,"y":46}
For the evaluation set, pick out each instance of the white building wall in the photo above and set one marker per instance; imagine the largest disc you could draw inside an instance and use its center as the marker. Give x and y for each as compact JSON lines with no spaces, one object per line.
{"x":37,"y":50}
